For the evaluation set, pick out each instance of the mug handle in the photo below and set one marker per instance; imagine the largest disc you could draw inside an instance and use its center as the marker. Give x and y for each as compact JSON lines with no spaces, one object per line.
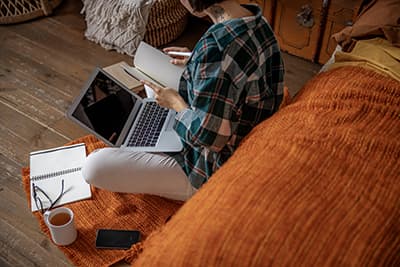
{"x":46,"y":216}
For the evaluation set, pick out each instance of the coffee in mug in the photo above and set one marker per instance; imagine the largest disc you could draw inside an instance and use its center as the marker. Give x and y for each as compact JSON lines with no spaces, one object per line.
{"x":60,"y":219}
{"x":61,"y":225}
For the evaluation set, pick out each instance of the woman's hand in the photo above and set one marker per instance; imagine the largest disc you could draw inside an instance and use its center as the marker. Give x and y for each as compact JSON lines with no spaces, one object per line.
{"x":177,"y":60}
{"x":167,"y":97}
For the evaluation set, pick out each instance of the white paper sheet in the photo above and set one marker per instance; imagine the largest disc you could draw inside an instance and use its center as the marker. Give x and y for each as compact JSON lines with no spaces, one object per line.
{"x":49,"y":167}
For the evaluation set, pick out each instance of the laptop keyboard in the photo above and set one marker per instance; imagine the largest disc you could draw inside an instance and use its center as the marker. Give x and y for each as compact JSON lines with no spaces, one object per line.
{"x":149,"y":125}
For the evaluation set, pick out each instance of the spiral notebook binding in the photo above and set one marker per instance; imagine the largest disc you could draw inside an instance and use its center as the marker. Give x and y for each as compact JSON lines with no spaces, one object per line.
{"x":54,"y":174}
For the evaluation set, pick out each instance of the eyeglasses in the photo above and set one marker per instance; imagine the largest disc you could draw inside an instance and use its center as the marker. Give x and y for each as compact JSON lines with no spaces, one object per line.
{"x":42,"y":197}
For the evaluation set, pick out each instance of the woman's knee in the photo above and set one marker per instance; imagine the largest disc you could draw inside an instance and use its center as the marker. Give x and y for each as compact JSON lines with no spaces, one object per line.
{"x":95,"y":165}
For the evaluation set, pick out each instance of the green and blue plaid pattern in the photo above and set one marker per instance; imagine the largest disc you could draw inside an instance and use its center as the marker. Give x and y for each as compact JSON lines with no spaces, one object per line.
{"x":233,"y":81}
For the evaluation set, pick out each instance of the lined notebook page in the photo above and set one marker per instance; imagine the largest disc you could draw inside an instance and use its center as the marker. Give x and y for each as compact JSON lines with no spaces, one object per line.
{"x":49,"y":167}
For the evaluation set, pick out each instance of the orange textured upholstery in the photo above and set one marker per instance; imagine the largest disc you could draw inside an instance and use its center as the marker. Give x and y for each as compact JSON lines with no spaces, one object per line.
{"x":317,"y":184}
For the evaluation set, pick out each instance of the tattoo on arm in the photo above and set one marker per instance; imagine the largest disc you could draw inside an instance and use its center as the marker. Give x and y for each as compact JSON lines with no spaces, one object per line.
{"x":217,"y":11}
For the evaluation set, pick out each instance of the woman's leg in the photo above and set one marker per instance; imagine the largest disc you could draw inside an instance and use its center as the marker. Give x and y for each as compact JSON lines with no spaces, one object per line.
{"x":120,"y":170}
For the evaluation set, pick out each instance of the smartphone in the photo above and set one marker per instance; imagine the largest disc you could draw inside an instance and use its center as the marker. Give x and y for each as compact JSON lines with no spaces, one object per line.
{"x":116,"y":239}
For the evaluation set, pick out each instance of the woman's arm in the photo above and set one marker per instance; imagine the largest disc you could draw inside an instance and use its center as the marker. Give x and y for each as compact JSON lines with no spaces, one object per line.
{"x":208,"y":121}
{"x":167,"y":97}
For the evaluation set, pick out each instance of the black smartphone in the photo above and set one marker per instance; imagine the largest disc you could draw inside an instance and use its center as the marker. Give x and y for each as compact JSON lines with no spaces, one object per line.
{"x":116,"y":239}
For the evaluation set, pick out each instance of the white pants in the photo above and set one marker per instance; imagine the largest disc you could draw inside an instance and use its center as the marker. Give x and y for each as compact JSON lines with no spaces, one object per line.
{"x":120,"y":170}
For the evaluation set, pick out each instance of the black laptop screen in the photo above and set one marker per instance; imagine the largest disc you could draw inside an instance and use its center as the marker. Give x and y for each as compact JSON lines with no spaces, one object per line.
{"x":105,"y":107}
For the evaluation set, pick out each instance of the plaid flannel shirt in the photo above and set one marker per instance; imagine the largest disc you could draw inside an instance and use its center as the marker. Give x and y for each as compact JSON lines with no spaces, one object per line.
{"x":233,"y":81}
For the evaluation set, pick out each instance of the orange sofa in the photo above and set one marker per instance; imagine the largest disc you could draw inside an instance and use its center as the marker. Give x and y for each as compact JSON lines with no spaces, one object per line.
{"x":317,"y":184}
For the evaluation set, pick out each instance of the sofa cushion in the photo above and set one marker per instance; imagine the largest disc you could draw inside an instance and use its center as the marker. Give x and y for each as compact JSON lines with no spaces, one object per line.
{"x":317,"y":184}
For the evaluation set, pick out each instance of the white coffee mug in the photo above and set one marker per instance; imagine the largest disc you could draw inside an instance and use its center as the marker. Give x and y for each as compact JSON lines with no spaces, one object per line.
{"x":61,"y":225}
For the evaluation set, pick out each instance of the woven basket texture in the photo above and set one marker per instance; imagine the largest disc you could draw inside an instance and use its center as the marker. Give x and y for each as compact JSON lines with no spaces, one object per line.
{"x":167,"y":21}
{"x":15,"y":11}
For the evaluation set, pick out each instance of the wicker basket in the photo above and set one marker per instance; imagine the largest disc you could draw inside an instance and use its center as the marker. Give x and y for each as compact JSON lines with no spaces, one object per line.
{"x":14,"y":11}
{"x":167,"y":20}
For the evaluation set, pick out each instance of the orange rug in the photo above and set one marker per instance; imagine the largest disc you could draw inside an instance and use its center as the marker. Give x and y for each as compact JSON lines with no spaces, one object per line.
{"x":108,"y":210}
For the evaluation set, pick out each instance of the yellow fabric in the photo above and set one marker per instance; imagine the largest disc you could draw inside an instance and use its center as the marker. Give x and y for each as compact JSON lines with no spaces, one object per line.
{"x":377,"y":53}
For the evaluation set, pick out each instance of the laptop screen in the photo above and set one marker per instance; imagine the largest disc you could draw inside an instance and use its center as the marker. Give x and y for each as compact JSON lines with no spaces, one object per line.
{"x":105,"y":107}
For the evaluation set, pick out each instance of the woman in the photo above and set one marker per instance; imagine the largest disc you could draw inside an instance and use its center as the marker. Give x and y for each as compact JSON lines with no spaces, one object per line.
{"x":232,"y":81}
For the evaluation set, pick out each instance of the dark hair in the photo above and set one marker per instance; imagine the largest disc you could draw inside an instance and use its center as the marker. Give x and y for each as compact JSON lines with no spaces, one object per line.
{"x":201,"y":5}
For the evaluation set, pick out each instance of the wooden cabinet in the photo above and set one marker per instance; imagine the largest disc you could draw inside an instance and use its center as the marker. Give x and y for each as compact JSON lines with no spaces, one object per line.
{"x":341,"y":13}
{"x":268,"y":8}
{"x":297,"y":25}
{"x":304,"y":27}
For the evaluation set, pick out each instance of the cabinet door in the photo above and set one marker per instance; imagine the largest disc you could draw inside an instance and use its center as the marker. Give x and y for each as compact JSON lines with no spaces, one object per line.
{"x":341,"y":13}
{"x":269,"y":11}
{"x":297,"y":26}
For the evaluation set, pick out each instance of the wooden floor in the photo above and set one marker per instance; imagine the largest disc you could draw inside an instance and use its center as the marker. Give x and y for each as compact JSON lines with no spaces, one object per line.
{"x":43,"y":64}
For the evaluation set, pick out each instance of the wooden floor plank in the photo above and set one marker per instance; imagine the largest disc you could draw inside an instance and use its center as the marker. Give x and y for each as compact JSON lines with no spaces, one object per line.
{"x":20,"y":135}
{"x":297,"y":72}
{"x":19,"y":248}
{"x":10,"y":173}
{"x":59,"y":47}
{"x":69,"y":13}
{"x":21,"y":72}
{"x":21,"y":221}
{"x":53,"y":116}
{"x":46,"y":64}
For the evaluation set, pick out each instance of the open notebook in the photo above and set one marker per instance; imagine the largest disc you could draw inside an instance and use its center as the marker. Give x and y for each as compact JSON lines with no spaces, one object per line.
{"x":153,"y":65}
{"x":47,"y":170}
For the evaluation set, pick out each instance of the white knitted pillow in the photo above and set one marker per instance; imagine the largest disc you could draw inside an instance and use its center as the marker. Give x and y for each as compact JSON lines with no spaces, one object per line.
{"x":117,"y":24}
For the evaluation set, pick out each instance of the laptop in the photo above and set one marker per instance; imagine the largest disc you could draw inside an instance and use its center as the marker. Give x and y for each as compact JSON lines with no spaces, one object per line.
{"x":121,"y":118}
